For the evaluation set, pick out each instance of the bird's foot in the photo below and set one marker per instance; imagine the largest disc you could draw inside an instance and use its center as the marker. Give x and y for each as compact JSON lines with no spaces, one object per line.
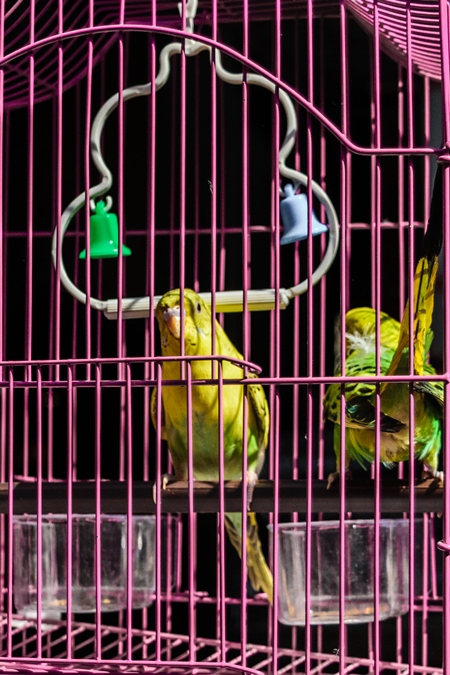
{"x":336,"y":474}
{"x":332,"y":477}
{"x":432,"y":479}
{"x":252,"y":479}
{"x":166,"y":478}
{"x":429,"y":473}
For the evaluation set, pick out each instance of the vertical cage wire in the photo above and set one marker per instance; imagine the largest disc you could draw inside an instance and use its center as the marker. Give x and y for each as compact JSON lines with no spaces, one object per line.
{"x":197,"y":181}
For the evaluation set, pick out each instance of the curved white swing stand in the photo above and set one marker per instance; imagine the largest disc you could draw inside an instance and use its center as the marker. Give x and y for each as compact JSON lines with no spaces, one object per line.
{"x":225,"y":301}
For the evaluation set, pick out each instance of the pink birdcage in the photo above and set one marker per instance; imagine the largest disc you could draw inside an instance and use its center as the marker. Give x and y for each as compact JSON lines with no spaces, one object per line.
{"x":278,"y":158}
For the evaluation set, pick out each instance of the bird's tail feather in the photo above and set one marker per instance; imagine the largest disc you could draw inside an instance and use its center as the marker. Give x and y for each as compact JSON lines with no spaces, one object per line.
{"x":424,"y":287}
{"x":258,"y":571}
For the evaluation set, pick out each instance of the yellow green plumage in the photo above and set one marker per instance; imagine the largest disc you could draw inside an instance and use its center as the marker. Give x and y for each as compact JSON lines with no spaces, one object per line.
{"x":392,"y":343}
{"x":199,"y":330}
{"x":360,"y":413}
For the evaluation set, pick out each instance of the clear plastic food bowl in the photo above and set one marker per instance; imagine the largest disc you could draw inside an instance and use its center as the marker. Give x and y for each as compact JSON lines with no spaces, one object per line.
{"x":359,"y":571}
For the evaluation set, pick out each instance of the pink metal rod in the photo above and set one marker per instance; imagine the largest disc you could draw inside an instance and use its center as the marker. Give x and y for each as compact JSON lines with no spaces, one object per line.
{"x":287,"y":381}
{"x":446,"y":282}
{"x":158,"y":479}
{"x":98,"y":473}
{"x":204,"y":231}
{"x":70,"y":467}
{"x":10,"y":510}
{"x":252,"y":367}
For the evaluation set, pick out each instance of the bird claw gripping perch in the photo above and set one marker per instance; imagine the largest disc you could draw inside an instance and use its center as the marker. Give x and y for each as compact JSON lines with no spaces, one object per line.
{"x":436,"y":476}
{"x":252,"y":479}
{"x":166,"y":478}
{"x":334,"y":475}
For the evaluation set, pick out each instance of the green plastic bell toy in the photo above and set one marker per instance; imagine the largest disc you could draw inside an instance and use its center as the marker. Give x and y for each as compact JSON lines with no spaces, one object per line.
{"x":104,"y":234}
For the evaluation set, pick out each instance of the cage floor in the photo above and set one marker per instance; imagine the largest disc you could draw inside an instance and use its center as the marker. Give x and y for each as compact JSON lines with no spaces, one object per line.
{"x":143,"y":651}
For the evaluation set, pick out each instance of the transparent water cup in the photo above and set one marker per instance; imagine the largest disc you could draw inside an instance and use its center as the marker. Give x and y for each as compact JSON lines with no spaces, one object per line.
{"x":53,"y":574}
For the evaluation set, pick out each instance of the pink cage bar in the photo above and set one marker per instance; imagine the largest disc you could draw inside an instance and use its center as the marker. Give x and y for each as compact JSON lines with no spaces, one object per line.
{"x":350,"y":102}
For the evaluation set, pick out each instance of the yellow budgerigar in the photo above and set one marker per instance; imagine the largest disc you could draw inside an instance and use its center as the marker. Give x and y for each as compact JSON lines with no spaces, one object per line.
{"x":197,"y":330}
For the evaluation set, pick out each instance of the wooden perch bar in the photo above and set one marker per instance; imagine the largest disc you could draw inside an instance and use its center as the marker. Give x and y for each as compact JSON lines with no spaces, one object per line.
{"x":395,"y":496}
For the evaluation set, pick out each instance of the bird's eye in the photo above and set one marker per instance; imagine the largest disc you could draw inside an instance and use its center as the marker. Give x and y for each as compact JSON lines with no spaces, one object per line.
{"x":198,"y":307}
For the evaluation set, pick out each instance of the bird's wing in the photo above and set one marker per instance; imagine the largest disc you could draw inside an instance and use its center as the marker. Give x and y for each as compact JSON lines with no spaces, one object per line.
{"x":434,"y":389}
{"x":360,"y":413}
{"x":258,"y":402}
{"x":255,"y":394}
{"x":153,"y":415}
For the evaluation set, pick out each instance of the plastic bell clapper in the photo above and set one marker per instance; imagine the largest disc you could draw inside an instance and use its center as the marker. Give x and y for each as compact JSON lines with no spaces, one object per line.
{"x":104,"y":234}
{"x":294,"y":214}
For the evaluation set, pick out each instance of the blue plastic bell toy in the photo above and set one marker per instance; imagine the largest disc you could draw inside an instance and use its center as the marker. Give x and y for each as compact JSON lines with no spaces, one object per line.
{"x":104,"y":234}
{"x":294,"y":214}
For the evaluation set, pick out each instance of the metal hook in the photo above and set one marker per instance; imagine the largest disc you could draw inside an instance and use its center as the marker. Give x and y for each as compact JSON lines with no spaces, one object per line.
{"x":190,"y":13}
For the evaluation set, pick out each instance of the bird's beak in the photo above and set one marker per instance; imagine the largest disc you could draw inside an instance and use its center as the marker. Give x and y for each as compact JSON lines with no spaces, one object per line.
{"x":172,"y":319}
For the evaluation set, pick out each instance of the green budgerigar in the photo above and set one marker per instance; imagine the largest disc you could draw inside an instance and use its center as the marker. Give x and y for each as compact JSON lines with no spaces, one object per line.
{"x":360,"y":413}
{"x":197,"y":330}
{"x":393,"y":338}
